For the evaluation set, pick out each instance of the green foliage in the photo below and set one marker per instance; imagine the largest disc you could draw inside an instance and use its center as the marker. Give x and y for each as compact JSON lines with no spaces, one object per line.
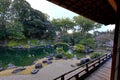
{"x":65,"y":46}
{"x":2,"y":34}
{"x":59,"y":56}
{"x":88,"y":41}
{"x":33,"y":41}
{"x":79,"y":48}
{"x":4,"y":8}
{"x":62,"y":25}
{"x":68,"y":56}
{"x":61,"y":53}
{"x":12,"y":43}
{"x":77,"y":36}
{"x":95,"y":55}
{"x":19,"y":21}
{"x":66,"y":38}
{"x":78,"y":54}
{"x":85,"y":25}
{"x":15,"y":30}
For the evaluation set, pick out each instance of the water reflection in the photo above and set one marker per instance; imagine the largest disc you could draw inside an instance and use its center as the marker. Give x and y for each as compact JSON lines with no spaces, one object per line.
{"x":20,"y":57}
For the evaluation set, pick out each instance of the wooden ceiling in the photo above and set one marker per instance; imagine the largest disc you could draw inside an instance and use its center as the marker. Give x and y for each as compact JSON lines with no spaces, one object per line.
{"x":98,"y":10}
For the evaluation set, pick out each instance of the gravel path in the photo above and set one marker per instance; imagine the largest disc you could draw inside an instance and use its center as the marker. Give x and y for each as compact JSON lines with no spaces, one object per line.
{"x":47,"y":73}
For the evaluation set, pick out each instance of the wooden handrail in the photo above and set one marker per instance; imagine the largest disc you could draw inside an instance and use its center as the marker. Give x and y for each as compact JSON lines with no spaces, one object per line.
{"x":94,"y":62}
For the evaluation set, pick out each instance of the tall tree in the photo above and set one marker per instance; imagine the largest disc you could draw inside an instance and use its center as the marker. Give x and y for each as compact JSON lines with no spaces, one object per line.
{"x":85,"y":25}
{"x":35,"y":22}
{"x":4,"y":7}
{"x":63,"y":25}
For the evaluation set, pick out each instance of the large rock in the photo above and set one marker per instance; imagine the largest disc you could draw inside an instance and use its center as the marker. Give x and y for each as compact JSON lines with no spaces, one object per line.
{"x":1,"y":69}
{"x":84,"y":60}
{"x":11,"y":66}
{"x":34,"y":71}
{"x":38,"y":66}
{"x":18,"y":70}
{"x":50,"y":58}
{"x":44,"y":61}
{"x":49,"y":62}
{"x":52,"y":55}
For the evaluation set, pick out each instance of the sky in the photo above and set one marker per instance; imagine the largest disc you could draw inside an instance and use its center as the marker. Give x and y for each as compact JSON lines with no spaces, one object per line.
{"x":55,"y":11}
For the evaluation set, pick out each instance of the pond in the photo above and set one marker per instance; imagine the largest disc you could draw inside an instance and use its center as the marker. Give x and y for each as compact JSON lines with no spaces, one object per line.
{"x":21,"y":57}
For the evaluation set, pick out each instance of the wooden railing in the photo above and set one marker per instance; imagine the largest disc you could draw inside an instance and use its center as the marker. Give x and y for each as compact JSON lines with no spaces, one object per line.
{"x":85,"y":69}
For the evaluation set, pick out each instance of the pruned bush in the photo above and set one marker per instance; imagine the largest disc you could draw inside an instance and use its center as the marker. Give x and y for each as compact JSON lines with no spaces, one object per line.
{"x":65,"y":46}
{"x":88,"y":41}
{"x":68,"y":55}
{"x":79,"y":48}
{"x":95,"y":55}
{"x":59,"y":56}
{"x":60,"y":51}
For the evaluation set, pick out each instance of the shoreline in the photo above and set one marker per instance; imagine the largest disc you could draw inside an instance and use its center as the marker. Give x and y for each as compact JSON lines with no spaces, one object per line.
{"x":29,"y":68}
{"x":49,"y":72}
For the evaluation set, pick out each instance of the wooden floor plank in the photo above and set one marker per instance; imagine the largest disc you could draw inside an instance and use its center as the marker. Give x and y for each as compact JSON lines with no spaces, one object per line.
{"x":103,"y":73}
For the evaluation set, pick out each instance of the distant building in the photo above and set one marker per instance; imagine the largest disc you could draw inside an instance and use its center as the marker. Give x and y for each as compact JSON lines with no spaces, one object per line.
{"x":104,"y":39}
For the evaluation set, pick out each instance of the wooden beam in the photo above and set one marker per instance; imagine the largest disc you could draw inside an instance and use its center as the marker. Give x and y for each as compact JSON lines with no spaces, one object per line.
{"x":113,"y":4}
{"x":115,"y":71}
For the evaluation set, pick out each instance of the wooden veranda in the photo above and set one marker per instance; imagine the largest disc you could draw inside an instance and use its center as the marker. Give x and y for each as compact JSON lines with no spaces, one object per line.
{"x":102,"y":11}
{"x":103,"y":73}
{"x":84,"y":71}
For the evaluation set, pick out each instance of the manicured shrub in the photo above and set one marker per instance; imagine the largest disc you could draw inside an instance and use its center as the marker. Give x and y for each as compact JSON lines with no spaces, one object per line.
{"x":59,"y":56}
{"x":60,"y":51}
{"x":79,"y":48}
{"x":67,"y":55}
{"x":65,"y":46}
{"x":12,"y":43}
{"x":95,"y":55}
{"x":88,"y":41}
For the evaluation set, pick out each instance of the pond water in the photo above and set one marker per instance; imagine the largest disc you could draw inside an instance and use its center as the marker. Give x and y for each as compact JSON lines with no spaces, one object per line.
{"x":21,"y":57}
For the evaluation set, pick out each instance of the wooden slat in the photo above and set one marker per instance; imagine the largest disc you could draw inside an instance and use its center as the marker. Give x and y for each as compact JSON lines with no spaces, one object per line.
{"x":103,"y":73}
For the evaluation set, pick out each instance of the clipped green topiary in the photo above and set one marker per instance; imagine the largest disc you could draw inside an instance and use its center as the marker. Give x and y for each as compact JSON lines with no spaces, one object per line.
{"x":59,"y":56}
{"x":79,"y":48}
{"x":60,"y":51}
{"x":65,"y":46}
{"x":68,"y":55}
{"x":95,"y":55}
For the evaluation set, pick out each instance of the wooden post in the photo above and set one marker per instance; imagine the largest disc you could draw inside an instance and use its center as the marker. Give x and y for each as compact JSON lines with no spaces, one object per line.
{"x":106,"y":56}
{"x":86,"y":67}
{"x":62,"y":78}
{"x":115,"y":71}
{"x":77,"y":77}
